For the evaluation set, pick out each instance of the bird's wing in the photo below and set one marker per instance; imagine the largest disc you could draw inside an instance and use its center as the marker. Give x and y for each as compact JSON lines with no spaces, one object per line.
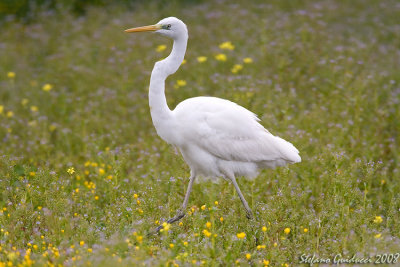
{"x":230,"y":132}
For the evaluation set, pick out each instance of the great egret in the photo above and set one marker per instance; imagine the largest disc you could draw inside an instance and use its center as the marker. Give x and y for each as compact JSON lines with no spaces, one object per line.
{"x":216,"y":137}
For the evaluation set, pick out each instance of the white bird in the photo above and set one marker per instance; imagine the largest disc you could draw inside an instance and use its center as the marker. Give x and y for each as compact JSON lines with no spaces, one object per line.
{"x":216,"y":137}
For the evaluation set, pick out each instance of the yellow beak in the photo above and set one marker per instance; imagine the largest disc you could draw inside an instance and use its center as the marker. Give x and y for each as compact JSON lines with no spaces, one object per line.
{"x":149,"y":28}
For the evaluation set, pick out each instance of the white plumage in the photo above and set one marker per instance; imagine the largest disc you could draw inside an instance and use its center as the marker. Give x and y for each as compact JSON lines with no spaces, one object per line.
{"x":217,"y":138}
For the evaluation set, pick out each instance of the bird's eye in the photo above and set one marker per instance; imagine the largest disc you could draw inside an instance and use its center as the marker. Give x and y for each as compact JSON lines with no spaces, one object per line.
{"x":168,"y":26}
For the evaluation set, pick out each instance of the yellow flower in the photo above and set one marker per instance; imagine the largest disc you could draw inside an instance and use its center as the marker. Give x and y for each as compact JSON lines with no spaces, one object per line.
{"x":227,"y":46}
{"x":1,"y":109}
{"x":378,"y":236}
{"x":82,"y":243}
{"x":109,"y":177}
{"x":180,"y":223}
{"x":11,"y":74}
{"x":206,"y":233}
{"x":171,"y":245}
{"x":248,"y":256}
{"x":24,"y":101}
{"x":236,"y":68}
{"x":261,"y":247}
{"x":208,"y":225}
{"x":264,"y":229}
{"x":241,"y":235}
{"x":247,"y":60}
{"x":221,"y":219}
{"x":166,"y":226}
{"x":203,"y":207}
{"x":266,"y":262}
{"x":47,"y":87}
{"x":101,"y":171}
{"x":34,"y":108}
{"x":180,"y":83}
{"x":378,"y":219}
{"x":135,"y":195}
{"x":32,"y":174}
{"x":305,"y":230}
{"x":185,"y":243}
{"x":10,"y":114}
{"x":90,"y":250}
{"x":161,"y":48}
{"x":275,"y":244}
{"x":96,"y":197}
{"x":201,"y":59}
{"x":216,"y":203}
{"x":220,"y":57}
{"x":71,"y":170}
{"x":39,"y":207}
{"x":287,"y":231}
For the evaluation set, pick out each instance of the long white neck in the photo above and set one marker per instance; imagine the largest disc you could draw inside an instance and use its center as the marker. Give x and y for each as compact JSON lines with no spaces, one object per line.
{"x":160,"y":112}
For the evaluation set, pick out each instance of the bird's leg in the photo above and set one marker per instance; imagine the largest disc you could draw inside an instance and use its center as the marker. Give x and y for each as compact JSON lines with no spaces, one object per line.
{"x":246,"y":206}
{"x":181,"y":212}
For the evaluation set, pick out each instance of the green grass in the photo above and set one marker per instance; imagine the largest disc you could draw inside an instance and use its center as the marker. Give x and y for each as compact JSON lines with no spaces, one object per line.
{"x":325,"y":76}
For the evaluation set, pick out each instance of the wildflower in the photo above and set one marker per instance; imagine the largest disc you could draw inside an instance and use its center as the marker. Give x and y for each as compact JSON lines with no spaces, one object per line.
{"x":247,"y":60}
{"x":275,"y":244}
{"x":227,"y":46}
{"x":62,"y":230}
{"x":161,"y":48}
{"x":203,"y":207}
{"x":206,"y":233}
{"x":216,"y":203}
{"x":11,"y":74}
{"x":47,"y":87}
{"x":220,"y":57}
{"x":248,"y":256}
{"x":377,"y":236}
{"x":241,"y":235}
{"x":180,"y":83}
{"x":34,"y":108}
{"x":236,"y":68}
{"x":109,"y":177}
{"x":71,"y":170}
{"x":101,"y":171}
{"x":52,"y":127}
{"x":82,"y":243}
{"x":138,"y":202}
{"x":201,"y":59}
{"x":221,"y":219}
{"x":185,"y":243}
{"x":171,"y":245}
{"x":24,"y":101}
{"x":39,"y":207}
{"x":180,"y":223}
{"x":287,"y":231}
{"x":378,"y":219}
{"x":305,"y":230}
{"x":166,"y":226}
{"x":266,"y":262}
{"x":208,"y":225}
{"x":135,"y":195}
{"x":96,"y":197}
{"x":139,"y":238}
{"x":264,"y":229}
{"x":90,"y":250}
{"x":1,"y":109}
{"x":32,"y":174}
{"x":261,"y":247}
{"x":10,"y":114}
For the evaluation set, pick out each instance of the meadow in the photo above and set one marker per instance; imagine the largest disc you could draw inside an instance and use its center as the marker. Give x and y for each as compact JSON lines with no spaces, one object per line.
{"x":84,"y":176}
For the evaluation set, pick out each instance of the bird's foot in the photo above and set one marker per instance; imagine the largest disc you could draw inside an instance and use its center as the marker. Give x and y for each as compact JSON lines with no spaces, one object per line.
{"x":180,"y":214}
{"x":249,"y":215}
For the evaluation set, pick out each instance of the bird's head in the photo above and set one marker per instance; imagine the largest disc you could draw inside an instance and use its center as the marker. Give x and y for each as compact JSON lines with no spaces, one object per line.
{"x":171,"y":27}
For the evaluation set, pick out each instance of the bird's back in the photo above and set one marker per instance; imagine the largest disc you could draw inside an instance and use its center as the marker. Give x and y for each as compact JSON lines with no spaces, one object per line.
{"x":230,"y":133}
